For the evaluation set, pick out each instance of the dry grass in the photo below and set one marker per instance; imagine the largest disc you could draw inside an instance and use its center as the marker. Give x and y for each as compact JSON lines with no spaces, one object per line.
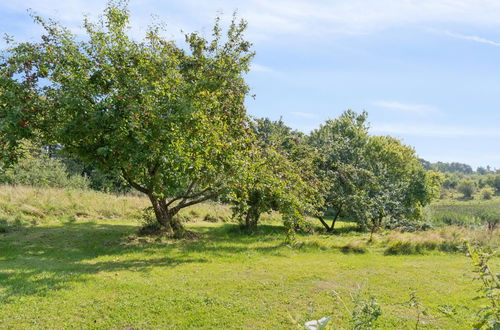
{"x":22,"y":205}
{"x":446,"y":239}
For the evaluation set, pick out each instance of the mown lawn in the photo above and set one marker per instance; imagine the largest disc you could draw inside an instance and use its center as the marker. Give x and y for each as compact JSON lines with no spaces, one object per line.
{"x":98,"y":274}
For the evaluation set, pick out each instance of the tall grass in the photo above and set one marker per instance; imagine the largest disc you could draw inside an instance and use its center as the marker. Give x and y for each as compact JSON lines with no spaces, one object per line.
{"x":445,"y":239}
{"x":464,"y":213}
{"x":22,"y":205}
{"x":25,"y":205}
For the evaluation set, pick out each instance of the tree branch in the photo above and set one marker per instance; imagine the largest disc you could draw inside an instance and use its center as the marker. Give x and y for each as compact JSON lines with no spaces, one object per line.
{"x":134,"y":185}
{"x":196,"y":201}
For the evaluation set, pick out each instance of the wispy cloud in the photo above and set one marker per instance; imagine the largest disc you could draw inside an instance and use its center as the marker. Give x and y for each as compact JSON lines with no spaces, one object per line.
{"x":304,"y":114}
{"x":444,"y":131}
{"x":471,"y":38}
{"x":297,"y":18}
{"x":419,"y":109}
{"x":260,"y":68}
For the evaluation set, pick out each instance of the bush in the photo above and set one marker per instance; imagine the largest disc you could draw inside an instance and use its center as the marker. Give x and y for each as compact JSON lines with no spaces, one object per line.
{"x":487,"y":192}
{"x":467,"y":188}
{"x":43,"y":171}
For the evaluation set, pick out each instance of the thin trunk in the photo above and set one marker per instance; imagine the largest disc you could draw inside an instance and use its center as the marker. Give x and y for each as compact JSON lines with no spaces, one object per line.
{"x":374,"y":227}
{"x":335,"y":218}
{"x":324,"y":223}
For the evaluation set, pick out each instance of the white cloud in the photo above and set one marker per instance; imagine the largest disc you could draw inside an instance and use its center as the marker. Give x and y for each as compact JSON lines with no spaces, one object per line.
{"x":471,"y":38}
{"x":324,"y":18}
{"x":419,"y":109}
{"x":427,"y":130}
{"x":296,"y":18}
{"x":304,"y":114}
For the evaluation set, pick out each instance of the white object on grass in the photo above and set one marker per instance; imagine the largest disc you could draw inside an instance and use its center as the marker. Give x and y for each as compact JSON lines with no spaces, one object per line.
{"x":317,"y":324}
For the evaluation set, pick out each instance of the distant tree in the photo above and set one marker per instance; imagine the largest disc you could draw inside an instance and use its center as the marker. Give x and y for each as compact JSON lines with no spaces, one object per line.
{"x":369,"y":178}
{"x":454,"y":167}
{"x":170,"y":120}
{"x":467,"y":187}
{"x":494,"y":181}
{"x":482,"y":171}
{"x":403,"y":187}
{"x":341,"y":166}
{"x":450,"y":180}
{"x":279,"y":178}
{"x":34,"y":167}
{"x":426,"y":164}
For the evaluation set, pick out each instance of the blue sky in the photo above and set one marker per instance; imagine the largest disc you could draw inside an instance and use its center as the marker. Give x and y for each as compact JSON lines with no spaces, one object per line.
{"x":426,"y":71}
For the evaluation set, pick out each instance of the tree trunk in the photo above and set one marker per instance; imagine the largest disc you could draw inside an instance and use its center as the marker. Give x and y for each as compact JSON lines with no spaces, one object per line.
{"x":335,"y":219}
{"x":251,"y":219}
{"x":375,"y":223}
{"x":324,"y":223}
{"x":165,"y":217}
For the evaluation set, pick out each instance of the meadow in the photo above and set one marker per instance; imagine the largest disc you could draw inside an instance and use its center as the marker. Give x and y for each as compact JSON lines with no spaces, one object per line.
{"x":73,"y":259}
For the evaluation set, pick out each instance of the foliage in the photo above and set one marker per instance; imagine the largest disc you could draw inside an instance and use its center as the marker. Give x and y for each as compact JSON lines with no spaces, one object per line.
{"x":171,"y":121}
{"x":35,"y":168}
{"x":467,"y":187}
{"x":340,"y":168}
{"x":487,"y":192}
{"x":420,"y":310}
{"x":370,"y":179}
{"x":494,"y":181}
{"x":402,"y":187}
{"x":488,"y":317}
{"x":364,"y":312}
{"x":280,"y":177}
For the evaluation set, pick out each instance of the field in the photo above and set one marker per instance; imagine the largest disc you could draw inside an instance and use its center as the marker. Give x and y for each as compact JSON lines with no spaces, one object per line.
{"x":72,"y":259}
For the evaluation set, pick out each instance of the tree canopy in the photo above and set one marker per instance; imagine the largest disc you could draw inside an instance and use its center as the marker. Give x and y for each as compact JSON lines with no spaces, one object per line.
{"x":170,"y":120}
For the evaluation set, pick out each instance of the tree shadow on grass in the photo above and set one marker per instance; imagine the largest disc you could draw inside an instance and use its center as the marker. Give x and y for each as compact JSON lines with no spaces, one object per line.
{"x":38,"y":260}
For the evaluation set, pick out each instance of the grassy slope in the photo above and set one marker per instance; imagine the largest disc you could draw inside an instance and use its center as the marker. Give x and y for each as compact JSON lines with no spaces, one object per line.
{"x":96,"y":273}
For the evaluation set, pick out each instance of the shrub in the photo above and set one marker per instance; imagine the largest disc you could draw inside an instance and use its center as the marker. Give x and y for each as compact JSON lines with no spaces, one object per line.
{"x":42,"y":171}
{"x":487,"y":192}
{"x":467,"y":188}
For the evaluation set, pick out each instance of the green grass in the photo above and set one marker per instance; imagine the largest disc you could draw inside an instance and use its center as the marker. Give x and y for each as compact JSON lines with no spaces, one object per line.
{"x":97,"y":273}
{"x":462,"y":212}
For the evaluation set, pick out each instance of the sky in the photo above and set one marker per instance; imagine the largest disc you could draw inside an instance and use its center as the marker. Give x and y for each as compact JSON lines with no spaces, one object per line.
{"x":427,"y":71}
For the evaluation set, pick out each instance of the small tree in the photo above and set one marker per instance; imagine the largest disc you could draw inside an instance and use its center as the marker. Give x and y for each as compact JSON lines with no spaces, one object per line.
{"x":170,"y":120}
{"x":279,"y":178}
{"x":370,"y":178}
{"x":341,"y":165}
{"x":467,"y":188}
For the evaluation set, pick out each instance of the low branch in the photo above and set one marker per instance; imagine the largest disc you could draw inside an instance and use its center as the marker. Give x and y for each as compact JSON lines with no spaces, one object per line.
{"x":193,"y":202}
{"x":135,"y":185}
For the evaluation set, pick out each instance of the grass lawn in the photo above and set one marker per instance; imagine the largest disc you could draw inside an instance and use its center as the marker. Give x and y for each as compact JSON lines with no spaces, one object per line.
{"x":98,"y":274}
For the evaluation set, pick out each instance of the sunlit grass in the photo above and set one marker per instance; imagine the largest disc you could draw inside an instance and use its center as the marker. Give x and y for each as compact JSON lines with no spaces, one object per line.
{"x":95,"y":272}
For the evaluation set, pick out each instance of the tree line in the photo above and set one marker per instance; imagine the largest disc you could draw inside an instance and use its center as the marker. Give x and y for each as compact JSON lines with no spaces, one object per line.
{"x":170,"y":121}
